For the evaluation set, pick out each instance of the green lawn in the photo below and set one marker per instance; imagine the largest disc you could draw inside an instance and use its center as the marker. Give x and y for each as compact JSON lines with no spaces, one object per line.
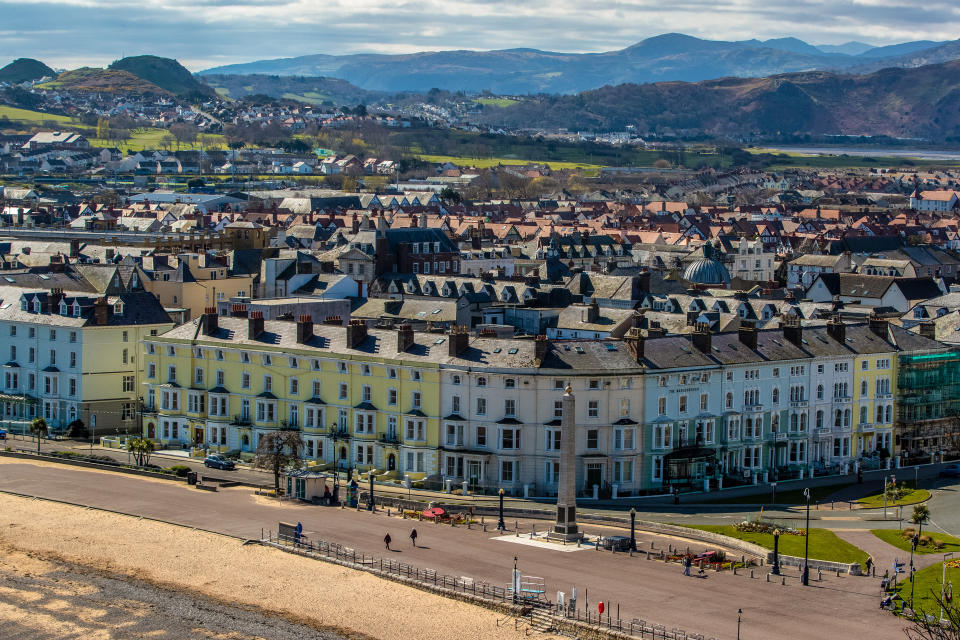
{"x":485,"y":163}
{"x":894,"y":537}
{"x":926,"y":587}
{"x":792,"y":159}
{"x":32,"y":117}
{"x":495,"y":102}
{"x":792,"y":497}
{"x":912,"y":496}
{"x":824,"y":544}
{"x":152,"y":138}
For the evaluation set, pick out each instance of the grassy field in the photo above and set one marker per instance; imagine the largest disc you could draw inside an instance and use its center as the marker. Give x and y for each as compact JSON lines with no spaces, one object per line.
{"x":926,"y":587}
{"x":151,"y":138}
{"x":895,"y":538}
{"x":792,"y":497}
{"x":495,"y":102}
{"x":824,"y":544}
{"x":35,"y":118}
{"x":913,"y":496}
{"x":485,"y":163}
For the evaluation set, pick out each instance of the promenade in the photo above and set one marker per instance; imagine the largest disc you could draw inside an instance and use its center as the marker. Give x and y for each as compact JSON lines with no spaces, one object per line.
{"x":650,"y":590}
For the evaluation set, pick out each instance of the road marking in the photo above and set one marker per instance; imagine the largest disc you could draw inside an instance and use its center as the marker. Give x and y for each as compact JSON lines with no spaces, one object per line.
{"x":851,"y":518}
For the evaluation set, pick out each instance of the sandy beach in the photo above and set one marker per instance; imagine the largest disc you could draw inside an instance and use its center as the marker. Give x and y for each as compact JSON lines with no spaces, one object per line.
{"x":71,"y":572}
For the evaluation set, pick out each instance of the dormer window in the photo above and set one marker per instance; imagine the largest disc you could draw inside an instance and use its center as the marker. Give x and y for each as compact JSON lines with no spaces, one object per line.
{"x":36,"y":305}
{"x":63,"y":308}
{"x":118,"y":308}
{"x":76,"y":309}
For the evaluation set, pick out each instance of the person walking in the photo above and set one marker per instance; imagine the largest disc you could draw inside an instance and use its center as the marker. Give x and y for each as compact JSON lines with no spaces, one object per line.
{"x":869,"y":564}
{"x":413,"y":537}
{"x":686,"y":565}
{"x":387,"y":540}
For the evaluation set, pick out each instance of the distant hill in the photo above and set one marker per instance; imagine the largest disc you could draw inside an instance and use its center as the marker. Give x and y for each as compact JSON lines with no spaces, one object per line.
{"x":922,"y":102}
{"x":24,"y":70}
{"x":305,"y":89}
{"x":105,"y":81}
{"x":165,"y":73}
{"x":852,"y":48}
{"x":667,"y":57}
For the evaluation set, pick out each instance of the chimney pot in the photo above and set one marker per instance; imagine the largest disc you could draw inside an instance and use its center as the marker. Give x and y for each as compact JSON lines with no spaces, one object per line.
{"x":404,"y":338}
{"x":210,"y":322}
{"x":254,"y":325}
{"x":304,"y":328}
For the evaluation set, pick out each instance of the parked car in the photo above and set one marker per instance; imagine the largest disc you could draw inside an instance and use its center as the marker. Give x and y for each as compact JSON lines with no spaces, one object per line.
{"x":3,"y":434}
{"x":950,"y":471}
{"x":216,"y":461}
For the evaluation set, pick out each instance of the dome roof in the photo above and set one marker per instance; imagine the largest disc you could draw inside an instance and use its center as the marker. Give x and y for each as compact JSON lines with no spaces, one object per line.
{"x":707,"y":270}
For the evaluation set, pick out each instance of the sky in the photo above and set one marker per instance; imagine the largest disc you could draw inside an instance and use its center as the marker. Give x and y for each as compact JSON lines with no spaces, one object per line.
{"x":206,"y":33}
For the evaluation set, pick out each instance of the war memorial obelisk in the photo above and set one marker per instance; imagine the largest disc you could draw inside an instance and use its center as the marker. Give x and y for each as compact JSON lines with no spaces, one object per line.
{"x":565,"y":528}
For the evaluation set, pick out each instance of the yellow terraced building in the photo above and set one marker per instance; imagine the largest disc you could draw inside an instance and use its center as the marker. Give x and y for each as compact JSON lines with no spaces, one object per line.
{"x":223,"y":382}
{"x":874,"y":390}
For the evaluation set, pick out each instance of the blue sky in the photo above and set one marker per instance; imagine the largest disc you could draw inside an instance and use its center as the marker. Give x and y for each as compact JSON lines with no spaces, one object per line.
{"x":204,"y":33}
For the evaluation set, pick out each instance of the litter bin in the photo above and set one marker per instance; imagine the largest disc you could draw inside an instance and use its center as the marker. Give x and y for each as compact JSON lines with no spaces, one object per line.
{"x":191,"y":477}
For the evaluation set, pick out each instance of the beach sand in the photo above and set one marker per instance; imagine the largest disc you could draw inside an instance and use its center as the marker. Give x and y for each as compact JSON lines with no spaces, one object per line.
{"x":71,"y":572}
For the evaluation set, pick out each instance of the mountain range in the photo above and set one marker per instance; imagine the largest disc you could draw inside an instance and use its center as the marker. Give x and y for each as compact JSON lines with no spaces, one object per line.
{"x":667,"y":57}
{"x":922,"y":102}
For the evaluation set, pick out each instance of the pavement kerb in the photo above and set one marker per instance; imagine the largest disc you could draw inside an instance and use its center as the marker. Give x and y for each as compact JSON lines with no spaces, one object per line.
{"x":91,"y":465}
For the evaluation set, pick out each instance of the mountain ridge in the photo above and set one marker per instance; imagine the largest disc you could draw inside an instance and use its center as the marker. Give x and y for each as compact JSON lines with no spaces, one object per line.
{"x":666,"y":57}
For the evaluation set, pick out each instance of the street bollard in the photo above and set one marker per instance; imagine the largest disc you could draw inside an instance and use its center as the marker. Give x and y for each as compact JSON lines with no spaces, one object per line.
{"x":734,"y":569}
{"x":783,"y":580}
{"x":751,"y":573}
{"x":484,"y":528}
{"x":819,"y":576}
{"x":838,"y":573}
{"x":768,"y":577}
{"x":651,"y":544}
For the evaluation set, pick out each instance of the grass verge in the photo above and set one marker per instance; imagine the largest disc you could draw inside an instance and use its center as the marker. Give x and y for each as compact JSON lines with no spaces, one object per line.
{"x":893,"y":537}
{"x":926,"y":587}
{"x":912,"y":496}
{"x":792,"y":497}
{"x":824,"y":544}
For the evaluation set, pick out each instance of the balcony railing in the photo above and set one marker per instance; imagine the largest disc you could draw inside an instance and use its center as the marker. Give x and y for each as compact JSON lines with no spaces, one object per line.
{"x":241,"y":421}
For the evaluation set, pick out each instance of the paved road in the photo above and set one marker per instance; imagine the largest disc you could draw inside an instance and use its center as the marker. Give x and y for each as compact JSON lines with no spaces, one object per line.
{"x":837,"y":607}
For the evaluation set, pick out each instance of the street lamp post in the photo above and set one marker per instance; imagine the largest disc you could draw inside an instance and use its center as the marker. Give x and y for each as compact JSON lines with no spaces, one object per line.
{"x":370,"y":505}
{"x":501,"y":525}
{"x":776,"y":553}
{"x":885,"y":497}
{"x":943,"y":581}
{"x":739,"y":616}
{"x":806,"y":542}
{"x":633,"y":529}
{"x":913,"y":583}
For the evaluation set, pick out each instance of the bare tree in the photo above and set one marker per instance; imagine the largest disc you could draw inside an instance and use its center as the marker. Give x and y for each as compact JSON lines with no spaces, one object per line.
{"x":926,"y":626}
{"x":278,"y":450}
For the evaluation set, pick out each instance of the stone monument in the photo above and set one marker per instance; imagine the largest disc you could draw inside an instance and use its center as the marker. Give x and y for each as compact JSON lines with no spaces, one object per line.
{"x":565,"y":527}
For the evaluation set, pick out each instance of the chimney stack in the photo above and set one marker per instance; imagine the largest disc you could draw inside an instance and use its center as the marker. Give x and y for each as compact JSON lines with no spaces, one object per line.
{"x":333,"y":321}
{"x":101,"y":312}
{"x":692,"y":317}
{"x":254,"y":325}
{"x":53,"y":300}
{"x":459,"y":340}
{"x":748,"y":334}
{"x":404,"y":338}
{"x":701,"y":337}
{"x":356,"y":333}
{"x":643,"y":280}
{"x":304,"y":328}
{"x":635,"y":343}
{"x":540,"y":348}
{"x":878,"y":326}
{"x":836,"y":329}
{"x":792,"y":330}
{"x":928,"y":329}
{"x":210,"y":321}
{"x":75,"y":248}
{"x":238,"y":310}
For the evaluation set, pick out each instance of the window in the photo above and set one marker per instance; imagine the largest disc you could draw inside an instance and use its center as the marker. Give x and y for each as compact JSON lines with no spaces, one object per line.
{"x":593,"y":385}
{"x":481,"y":381}
{"x":623,"y":438}
{"x":728,"y":401}
{"x":342,"y":367}
{"x":415,"y":399}
{"x":510,"y":383}
{"x":172,"y":373}
{"x":53,"y":335}
{"x":219,"y":354}
{"x":197,"y":375}
{"x":342,"y":391}
{"x":865,"y":365}
{"x":73,"y":359}
{"x":559,"y":385}
{"x":510,"y":438}
{"x":245,"y":380}
{"x":593,"y":409}
{"x":776,"y":396}
{"x":292,"y":362}
{"x":456,"y":379}
{"x":366,"y":370}
{"x":506,"y":470}
{"x":392,"y":374}
{"x":13,"y":329}
{"x":152,"y":370}
{"x":481,"y":406}
{"x":415,"y":375}
{"x":366,"y":393}
{"x":481,"y":436}
{"x":657,"y":468}
{"x":244,"y":357}
{"x":73,"y":388}
{"x":593,"y":438}
{"x":415,"y":429}
{"x":31,"y":332}
{"x":704,"y":401}
{"x":266,"y":359}
{"x":510,"y":407}
{"x":73,"y":336}
{"x":31,"y":355}
{"x":662,"y":405}
{"x":268,"y":383}
{"x":683,"y":404}
{"x":624,"y":407}
{"x":294,"y":386}
{"x":623,"y":471}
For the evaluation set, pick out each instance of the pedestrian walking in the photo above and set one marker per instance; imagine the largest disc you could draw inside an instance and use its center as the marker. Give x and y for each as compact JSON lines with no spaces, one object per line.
{"x":869,"y":564}
{"x":686,"y":565}
{"x":413,"y":537}
{"x":387,"y":540}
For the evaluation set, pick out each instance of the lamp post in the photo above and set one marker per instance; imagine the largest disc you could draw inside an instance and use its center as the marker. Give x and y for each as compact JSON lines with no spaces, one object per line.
{"x":943,"y":581}
{"x":774,"y":486}
{"x":336,"y":470}
{"x":370,"y":505}
{"x":776,"y":553}
{"x":885,"y":497}
{"x":501,"y":525}
{"x":633,"y":529}
{"x":739,"y":616}
{"x":806,"y":542}
{"x":913,"y":583}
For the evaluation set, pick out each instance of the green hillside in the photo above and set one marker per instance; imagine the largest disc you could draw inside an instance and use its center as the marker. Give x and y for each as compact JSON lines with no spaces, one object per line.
{"x":103,"y":80}
{"x":25,"y":69}
{"x":165,"y":73}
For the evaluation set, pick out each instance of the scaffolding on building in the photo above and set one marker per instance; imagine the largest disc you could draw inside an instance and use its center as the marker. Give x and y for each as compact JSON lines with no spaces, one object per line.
{"x":928,"y":403}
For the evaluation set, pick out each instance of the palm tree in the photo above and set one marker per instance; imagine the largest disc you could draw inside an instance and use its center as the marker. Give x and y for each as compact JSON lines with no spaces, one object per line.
{"x":141,"y":448}
{"x":921,"y":514}
{"x":39,"y":428}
